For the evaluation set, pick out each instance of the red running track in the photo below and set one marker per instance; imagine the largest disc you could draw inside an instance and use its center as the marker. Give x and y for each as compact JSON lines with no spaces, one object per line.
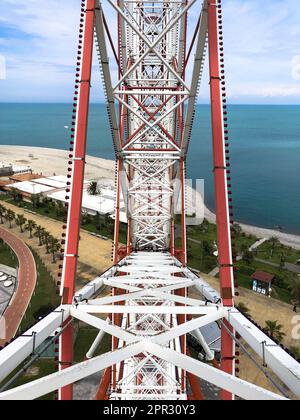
{"x":27,"y":276}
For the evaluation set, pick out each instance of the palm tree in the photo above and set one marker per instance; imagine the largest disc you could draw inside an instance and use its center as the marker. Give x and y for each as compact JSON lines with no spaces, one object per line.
{"x":39,"y":232}
{"x":282,"y":262}
{"x":54,"y":248}
{"x":2,"y":214}
{"x":31,"y":225}
{"x":10,"y":216}
{"x":20,"y":221}
{"x":47,"y":240}
{"x":93,"y":188}
{"x":275,"y":330}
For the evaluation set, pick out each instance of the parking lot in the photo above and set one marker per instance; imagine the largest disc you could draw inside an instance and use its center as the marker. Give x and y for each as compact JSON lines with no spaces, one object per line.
{"x":8,"y":284}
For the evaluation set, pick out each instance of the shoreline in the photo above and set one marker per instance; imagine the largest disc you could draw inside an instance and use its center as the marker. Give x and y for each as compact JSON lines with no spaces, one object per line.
{"x":55,"y":161}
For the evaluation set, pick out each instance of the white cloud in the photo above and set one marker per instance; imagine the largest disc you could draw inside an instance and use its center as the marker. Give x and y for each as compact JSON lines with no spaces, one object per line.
{"x":296,"y":67}
{"x":2,"y":67}
{"x":261,"y":41}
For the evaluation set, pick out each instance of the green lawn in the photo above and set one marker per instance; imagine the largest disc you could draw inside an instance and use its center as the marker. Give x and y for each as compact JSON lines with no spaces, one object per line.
{"x":44,"y":299}
{"x":85,"y":337}
{"x":38,"y":370}
{"x":266,"y":252}
{"x":282,"y":286}
{"x":7,"y":256}
{"x":205,"y":235}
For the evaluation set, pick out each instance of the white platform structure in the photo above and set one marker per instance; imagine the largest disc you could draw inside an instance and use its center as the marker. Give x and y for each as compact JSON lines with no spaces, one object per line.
{"x":151,"y":334}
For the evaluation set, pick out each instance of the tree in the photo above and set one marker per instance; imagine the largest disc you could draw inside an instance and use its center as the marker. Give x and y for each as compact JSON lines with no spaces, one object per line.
{"x":86,"y":218}
{"x":35,"y":200}
{"x":296,"y":294}
{"x":54,"y":248}
{"x":15,"y":195}
{"x":20,"y":221}
{"x":295,"y":351}
{"x":282,"y":262}
{"x":248,"y":257}
{"x":274,"y":242}
{"x":59,"y":209}
{"x":243,"y":248}
{"x":205,"y":226}
{"x":47,"y":240}
{"x":189,"y":252}
{"x":39,"y":232}
{"x":10,"y":216}
{"x":109,"y":223}
{"x":237,"y":229}
{"x":31,"y":225}
{"x":208,"y":248}
{"x":93,"y":188}
{"x":275,"y":330}
{"x":2,"y":214}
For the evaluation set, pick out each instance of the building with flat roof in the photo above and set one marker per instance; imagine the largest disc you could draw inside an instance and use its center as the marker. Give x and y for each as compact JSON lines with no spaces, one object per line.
{"x":262,"y":282}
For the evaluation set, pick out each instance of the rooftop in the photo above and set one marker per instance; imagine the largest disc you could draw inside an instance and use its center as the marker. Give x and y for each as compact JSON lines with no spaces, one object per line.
{"x":263,"y":276}
{"x":29,"y":187}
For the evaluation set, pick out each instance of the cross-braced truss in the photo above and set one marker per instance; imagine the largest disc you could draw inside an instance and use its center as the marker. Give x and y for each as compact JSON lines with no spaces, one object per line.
{"x":150,"y":311}
{"x":148,"y":362}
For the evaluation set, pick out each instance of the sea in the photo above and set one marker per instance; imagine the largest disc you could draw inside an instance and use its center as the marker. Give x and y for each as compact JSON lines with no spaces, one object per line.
{"x":265,"y":153}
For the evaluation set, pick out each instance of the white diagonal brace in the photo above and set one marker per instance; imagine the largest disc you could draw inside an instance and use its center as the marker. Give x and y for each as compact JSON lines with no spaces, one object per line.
{"x":103,"y":325}
{"x":189,"y":326}
{"x":70,"y":375}
{"x":217,"y":377}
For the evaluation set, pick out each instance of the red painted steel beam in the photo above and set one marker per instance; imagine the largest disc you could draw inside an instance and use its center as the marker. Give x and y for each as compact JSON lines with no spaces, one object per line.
{"x":183,"y":214}
{"x":74,"y":214}
{"x":104,"y":385}
{"x":221,"y":189}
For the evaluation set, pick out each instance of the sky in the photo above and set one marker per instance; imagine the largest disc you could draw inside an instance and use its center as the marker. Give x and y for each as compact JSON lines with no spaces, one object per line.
{"x":38,"y":43}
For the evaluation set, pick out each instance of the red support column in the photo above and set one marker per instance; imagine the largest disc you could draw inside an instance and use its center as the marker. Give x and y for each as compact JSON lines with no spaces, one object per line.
{"x":74,"y":214}
{"x":221,"y":189}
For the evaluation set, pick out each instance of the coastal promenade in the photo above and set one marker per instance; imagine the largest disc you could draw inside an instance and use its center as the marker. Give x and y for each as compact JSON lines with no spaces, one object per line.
{"x":27,"y":277}
{"x":53,"y":161}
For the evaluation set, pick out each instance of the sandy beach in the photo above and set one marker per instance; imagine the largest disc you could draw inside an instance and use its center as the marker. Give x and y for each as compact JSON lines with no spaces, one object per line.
{"x":52,"y":161}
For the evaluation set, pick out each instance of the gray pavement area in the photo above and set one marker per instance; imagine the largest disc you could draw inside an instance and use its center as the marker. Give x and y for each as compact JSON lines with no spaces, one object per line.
{"x":8,"y":276}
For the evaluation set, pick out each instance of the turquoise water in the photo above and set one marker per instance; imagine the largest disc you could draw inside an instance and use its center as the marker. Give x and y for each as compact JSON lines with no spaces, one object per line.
{"x":265,"y":152}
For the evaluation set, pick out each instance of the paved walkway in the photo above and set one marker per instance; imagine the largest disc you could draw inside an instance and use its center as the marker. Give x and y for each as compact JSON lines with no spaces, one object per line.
{"x":27,"y":277}
{"x":257,"y":244}
{"x":293,"y":268}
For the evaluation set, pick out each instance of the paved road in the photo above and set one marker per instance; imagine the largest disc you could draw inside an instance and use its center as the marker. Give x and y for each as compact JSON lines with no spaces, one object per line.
{"x":27,"y":277}
{"x":293,"y":268}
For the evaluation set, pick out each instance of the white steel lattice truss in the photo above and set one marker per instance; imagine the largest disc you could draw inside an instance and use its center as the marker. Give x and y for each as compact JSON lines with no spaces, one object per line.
{"x":149,"y":353}
{"x":150,"y":286}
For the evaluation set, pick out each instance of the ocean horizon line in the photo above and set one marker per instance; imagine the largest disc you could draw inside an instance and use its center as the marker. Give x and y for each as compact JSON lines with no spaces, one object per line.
{"x":104,"y":103}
